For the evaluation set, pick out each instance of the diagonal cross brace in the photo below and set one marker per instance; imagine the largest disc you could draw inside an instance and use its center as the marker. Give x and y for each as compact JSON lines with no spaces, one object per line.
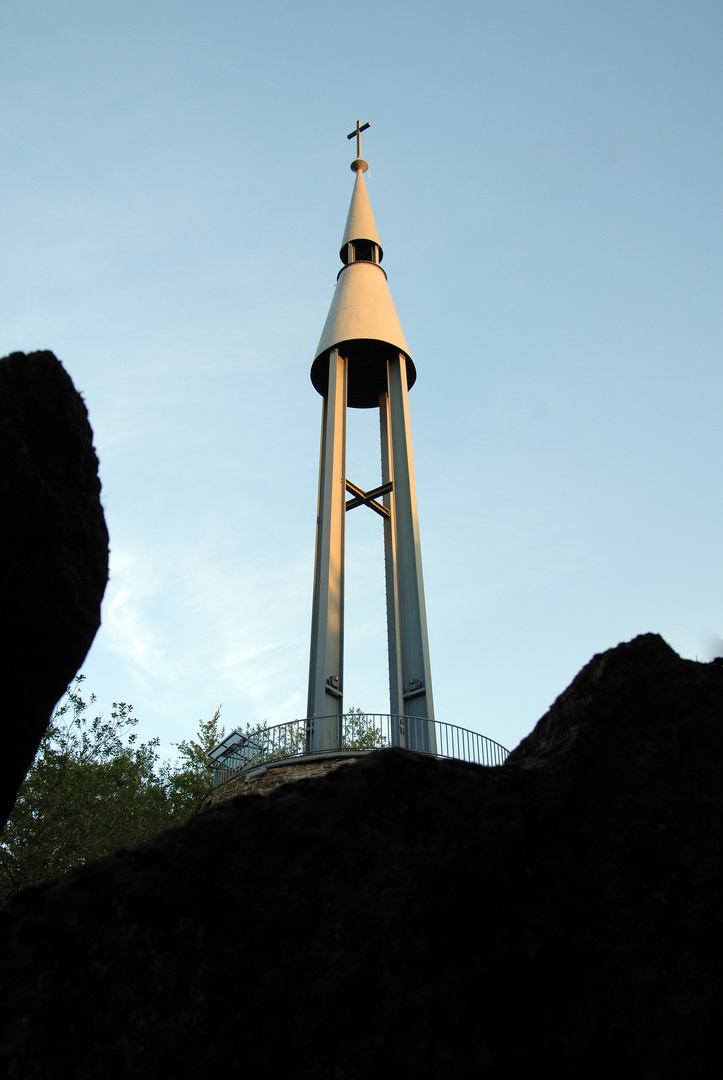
{"x":368,"y":498}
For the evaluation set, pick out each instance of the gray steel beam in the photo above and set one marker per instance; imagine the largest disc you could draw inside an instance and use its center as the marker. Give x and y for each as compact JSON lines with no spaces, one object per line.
{"x":327,"y":621}
{"x":410,"y":681}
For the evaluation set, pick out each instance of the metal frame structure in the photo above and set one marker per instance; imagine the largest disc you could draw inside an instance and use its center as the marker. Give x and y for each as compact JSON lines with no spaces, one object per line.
{"x":363,"y":361}
{"x":326,"y":666}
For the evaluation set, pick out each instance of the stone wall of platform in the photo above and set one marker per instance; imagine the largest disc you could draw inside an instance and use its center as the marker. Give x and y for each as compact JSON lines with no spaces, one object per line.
{"x":266,"y":779}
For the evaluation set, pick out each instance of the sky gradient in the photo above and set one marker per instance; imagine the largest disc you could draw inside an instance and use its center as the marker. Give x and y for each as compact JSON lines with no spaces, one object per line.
{"x":546,"y":181}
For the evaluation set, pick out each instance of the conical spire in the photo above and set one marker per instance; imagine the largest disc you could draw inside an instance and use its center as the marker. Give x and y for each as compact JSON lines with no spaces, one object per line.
{"x":360,"y":224}
{"x":362,"y":321}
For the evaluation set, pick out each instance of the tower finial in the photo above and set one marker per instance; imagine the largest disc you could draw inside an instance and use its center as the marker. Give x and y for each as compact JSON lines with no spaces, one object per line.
{"x":359,"y":162}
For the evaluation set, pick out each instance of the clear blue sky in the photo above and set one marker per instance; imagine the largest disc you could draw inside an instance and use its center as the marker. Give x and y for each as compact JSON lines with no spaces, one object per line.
{"x":546,"y":179}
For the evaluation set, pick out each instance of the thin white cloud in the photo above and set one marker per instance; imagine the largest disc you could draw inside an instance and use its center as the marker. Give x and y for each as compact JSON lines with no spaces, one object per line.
{"x":228,"y":625}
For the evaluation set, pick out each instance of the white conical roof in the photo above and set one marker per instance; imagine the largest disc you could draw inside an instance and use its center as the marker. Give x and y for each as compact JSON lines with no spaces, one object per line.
{"x":360,"y":224}
{"x":362,"y":319}
{"x":362,"y":308}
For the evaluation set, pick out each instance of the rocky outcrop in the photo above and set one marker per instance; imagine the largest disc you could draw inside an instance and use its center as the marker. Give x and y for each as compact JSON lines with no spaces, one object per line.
{"x":555,"y":916}
{"x":53,"y":552}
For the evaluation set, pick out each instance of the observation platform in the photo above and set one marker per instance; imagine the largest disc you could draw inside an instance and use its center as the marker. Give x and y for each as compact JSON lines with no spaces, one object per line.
{"x":349,"y":735}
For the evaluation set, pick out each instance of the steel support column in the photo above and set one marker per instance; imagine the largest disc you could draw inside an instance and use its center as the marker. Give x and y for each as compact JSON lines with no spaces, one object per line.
{"x":327,"y":620}
{"x":410,"y":682}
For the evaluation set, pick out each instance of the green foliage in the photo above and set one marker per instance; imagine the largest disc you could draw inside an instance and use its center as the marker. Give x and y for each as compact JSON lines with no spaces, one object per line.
{"x":192,"y":777}
{"x":286,"y":741}
{"x":361,"y":732}
{"x":93,"y":789}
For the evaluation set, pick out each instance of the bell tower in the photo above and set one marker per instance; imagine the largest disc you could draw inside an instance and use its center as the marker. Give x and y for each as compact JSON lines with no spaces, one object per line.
{"x":363,"y":361}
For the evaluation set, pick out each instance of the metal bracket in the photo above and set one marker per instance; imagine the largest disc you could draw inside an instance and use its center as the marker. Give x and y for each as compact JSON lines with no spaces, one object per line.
{"x":331,"y":688}
{"x":416,"y":688}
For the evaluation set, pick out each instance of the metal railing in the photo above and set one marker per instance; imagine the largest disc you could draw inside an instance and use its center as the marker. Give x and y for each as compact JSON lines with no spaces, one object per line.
{"x":242,"y":751}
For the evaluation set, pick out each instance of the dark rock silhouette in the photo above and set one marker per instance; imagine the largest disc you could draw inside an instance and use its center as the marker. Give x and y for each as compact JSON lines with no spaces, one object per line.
{"x":53,"y":552}
{"x":557,"y":916}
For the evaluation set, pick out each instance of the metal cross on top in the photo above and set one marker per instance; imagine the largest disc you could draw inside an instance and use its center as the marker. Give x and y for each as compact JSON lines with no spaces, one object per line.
{"x":357,"y":131}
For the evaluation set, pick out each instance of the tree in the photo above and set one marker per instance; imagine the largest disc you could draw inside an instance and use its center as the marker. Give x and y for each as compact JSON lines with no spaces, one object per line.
{"x":93,"y":789}
{"x":361,"y":731}
{"x":192,"y":777}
